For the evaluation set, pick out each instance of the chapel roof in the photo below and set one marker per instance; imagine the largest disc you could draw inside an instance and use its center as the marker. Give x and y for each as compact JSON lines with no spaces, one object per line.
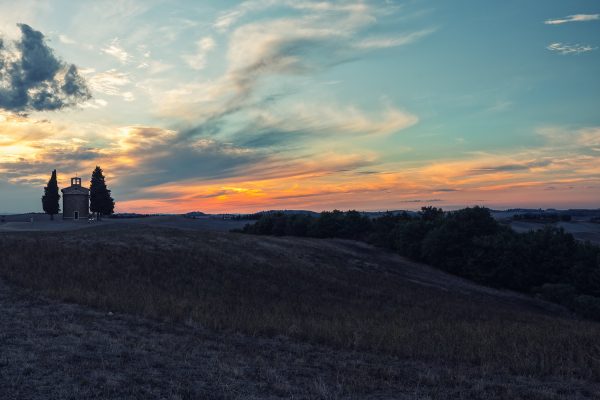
{"x":76,"y":189}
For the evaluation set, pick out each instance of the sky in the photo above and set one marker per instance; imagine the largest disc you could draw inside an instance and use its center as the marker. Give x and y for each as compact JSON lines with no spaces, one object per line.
{"x":241,"y":106}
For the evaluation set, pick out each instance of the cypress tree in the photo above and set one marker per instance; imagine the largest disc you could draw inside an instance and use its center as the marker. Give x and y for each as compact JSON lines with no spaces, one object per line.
{"x":100,"y":200}
{"x":51,"y":197}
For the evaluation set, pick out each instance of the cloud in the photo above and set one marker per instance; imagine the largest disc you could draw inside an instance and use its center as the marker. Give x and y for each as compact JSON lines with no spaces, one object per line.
{"x":239,"y":130}
{"x":128,"y":96}
{"x":154,"y":66}
{"x":32,"y":78}
{"x":573,"y":18}
{"x":323,"y":35}
{"x":525,"y":166}
{"x":148,"y":157}
{"x":310,"y":38}
{"x":444,"y":190}
{"x":328,"y":6}
{"x":142,"y":138}
{"x":95,"y":104}
{"x":34,"y":171}
{"x":35,"y":152}
{"x":314,"y":122}
{"x":287,"y":46}
{"x":227,"y":19}
{"x":589,"y":137}
{"x":585,"y":138}
{"x":111,"y":83}
{"x":203,"y":47}
{"x":231,"y":17}
{"x":157,"y":156}
{"x":500,"y":105}
{"x":115,"y":50}
{"x":65,"y":39}
{"x":155,"y":170}
{"x":230,"y":151}
{"x":385,"y":42}
{"x":563,"y":48}
{"x":421,"y":201}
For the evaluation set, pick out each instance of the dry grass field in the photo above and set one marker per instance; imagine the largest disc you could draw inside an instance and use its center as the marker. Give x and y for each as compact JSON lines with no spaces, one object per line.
{"x":223,"y":315}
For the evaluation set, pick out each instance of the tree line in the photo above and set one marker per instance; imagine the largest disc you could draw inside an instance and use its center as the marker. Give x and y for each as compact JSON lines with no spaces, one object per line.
{"x":101,"y":201}
{"x":470,"y":243}
{"x":542,"y":217}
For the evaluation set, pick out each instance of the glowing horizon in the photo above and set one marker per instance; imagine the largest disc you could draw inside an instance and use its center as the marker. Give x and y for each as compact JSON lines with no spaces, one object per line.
{"x":228,"y":107}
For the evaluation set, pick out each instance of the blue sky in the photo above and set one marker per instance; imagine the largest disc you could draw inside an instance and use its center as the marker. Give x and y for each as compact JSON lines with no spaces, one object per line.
{"x":240,"y":106}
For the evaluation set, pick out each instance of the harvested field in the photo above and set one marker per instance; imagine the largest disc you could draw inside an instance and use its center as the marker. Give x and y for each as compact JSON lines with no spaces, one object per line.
{"x":222,"y":315}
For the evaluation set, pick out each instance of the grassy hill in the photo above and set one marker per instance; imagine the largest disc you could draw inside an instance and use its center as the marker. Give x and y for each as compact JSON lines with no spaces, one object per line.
{"x":341,"y":294}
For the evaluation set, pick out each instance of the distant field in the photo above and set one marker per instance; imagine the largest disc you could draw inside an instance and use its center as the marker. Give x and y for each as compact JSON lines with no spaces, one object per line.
{"x":341,"y":294}
{"x":42,"y":222}
{"x":581,"y":230}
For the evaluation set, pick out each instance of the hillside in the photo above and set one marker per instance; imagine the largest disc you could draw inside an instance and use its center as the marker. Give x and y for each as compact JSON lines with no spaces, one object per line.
{"x":226,"y":315}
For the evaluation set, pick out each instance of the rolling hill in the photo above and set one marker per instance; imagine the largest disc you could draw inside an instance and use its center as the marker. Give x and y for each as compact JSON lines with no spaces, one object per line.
{"x":338,"y":319}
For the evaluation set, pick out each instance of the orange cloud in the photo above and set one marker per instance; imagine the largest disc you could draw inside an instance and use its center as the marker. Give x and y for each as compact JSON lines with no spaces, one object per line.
{"x":559,"y":172}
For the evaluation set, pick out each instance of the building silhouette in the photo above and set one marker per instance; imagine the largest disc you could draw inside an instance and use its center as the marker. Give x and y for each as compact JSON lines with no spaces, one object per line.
{"x":76,"y":200}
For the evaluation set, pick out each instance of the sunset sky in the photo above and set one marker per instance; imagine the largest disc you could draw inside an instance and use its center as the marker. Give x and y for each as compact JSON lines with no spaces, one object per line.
{"x":228,"y":106}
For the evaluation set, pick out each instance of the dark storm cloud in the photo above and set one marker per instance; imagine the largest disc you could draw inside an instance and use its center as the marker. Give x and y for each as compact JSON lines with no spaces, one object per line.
{"x":32,"y":78}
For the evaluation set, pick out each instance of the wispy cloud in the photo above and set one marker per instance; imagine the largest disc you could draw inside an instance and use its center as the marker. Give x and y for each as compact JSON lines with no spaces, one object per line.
{"x":230,"y":17}
{"x":66,"y":39}
{"x":227,"y":19}
{"x":95,"y":104}
{"x":521,"y":166}
{"x":588,"y":137}
{"x":310,"y":123}
{"x":115,"y":50}
{"x":573,"y":18}
{"x":395,"y":41}
{"x":564,"y":48}
{"x":112,"y":82}
{"x":309,"y":38}
{"x":197,"y":60}
{"x":154,"y":67}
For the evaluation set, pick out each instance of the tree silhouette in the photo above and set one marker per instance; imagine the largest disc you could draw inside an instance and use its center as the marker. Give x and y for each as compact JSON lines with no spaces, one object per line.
{"x":51,"y":197}
{"x":100,"y":200}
